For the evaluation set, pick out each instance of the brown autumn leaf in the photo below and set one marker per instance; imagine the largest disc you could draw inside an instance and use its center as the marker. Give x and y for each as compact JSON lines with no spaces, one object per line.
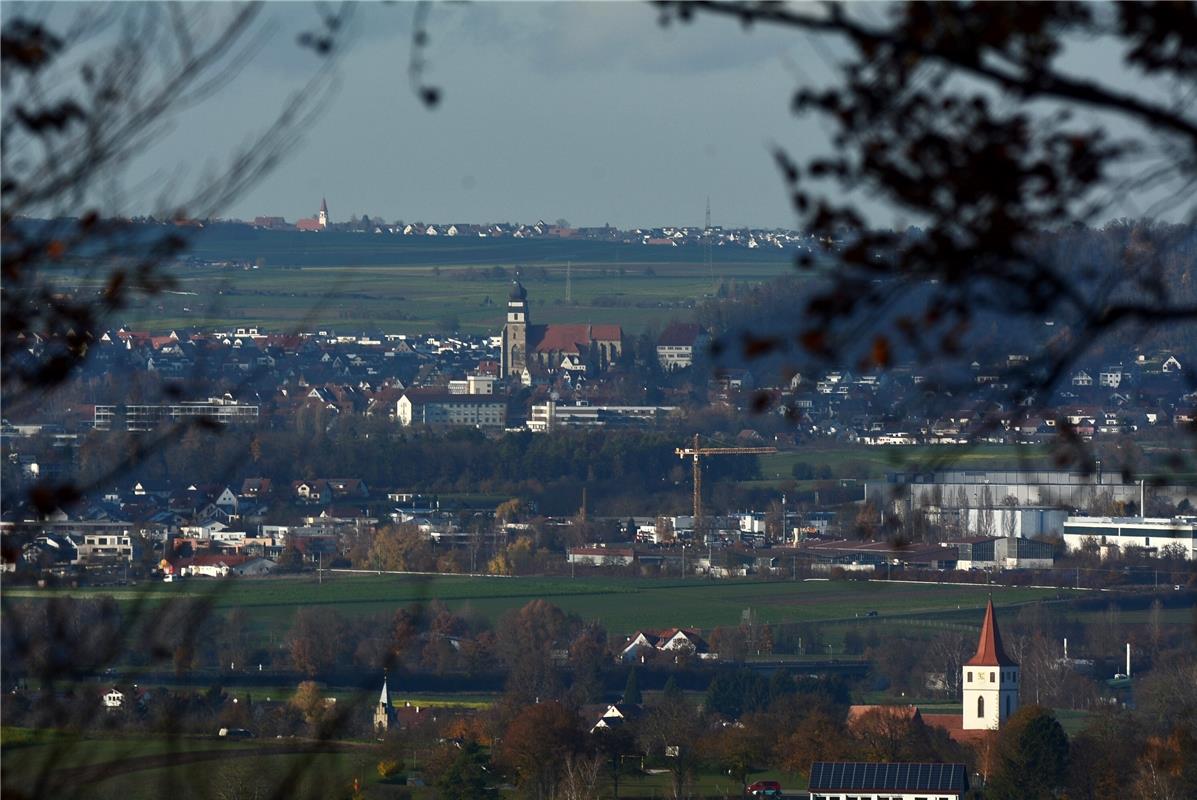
{"x":881,"y":352}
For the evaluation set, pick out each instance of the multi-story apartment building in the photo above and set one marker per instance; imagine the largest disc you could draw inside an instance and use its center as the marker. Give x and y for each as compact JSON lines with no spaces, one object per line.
{"x":147,"y":417}
{"x":417,"y":407}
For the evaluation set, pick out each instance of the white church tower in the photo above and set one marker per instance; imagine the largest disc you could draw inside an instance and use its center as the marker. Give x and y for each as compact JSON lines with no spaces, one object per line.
{"x":990,"y":680}
{"x":384,"y":713}
{"x":322,"y":218}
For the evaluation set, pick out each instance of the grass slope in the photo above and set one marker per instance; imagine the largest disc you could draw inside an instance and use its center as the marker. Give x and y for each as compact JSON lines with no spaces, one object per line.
{"x":622,"y":604}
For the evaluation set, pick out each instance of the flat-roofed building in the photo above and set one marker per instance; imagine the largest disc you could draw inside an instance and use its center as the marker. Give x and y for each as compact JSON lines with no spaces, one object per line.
{"x":547,"y":416}
{"x":105,"y":546}
{"x":148,"y":416}
{"x":473,"y":384}
{"x":1001,"y":552}
{"x":417,"y":407}
{"x":1154,"y":534}
{"x":602,"y":556}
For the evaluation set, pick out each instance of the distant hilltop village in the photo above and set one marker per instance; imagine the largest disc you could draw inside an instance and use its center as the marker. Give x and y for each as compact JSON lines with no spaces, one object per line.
{"x":667,"y":236}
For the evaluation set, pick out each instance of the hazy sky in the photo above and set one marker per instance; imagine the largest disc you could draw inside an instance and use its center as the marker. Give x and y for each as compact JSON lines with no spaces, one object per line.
{"x":589,"y":111}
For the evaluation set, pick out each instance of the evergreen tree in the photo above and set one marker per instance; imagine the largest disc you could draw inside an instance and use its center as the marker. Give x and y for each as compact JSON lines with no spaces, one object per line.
{"x":466,"y":777}
{"x":631,"y":692}
{"x":1032,"y":757}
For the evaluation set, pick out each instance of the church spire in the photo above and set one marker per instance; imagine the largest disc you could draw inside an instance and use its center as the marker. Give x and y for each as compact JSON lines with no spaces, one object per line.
{"x":384,"y":715}
{"x":990,"y":652}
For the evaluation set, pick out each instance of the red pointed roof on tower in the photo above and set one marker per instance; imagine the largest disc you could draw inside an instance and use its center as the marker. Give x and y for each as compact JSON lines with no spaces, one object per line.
{"x":989,"y":649}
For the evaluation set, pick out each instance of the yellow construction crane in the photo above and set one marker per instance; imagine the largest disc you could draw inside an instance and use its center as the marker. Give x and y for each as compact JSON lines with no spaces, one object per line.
{"x":697,"y":452}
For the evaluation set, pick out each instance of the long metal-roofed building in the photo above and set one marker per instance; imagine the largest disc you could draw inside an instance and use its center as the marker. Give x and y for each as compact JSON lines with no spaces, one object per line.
{"x":838,"y":780}
{"x":1030,"y":487}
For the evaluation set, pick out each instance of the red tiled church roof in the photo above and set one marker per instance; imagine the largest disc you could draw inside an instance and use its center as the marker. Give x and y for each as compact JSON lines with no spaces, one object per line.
{"x":989,"y":649}
{"x":571,"y":338}
{"x":953,"y":725}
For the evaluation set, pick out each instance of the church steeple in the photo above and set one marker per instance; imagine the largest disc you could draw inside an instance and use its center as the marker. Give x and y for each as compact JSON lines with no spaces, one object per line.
{"x":323,"y":216}
{"x":990,"y":679}
{"x":514,"y":354}
{"x":990,"y":652}
{"x":384,"y":715}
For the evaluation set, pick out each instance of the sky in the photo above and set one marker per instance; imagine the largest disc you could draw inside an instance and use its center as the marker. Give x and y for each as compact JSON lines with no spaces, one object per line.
{"x":589,"y":111}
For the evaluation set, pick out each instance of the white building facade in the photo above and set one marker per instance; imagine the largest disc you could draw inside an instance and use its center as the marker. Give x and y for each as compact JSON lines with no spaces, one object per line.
{"x":990,"y":680}
{"x":1177,"y":535}
{"x":477,"y":411}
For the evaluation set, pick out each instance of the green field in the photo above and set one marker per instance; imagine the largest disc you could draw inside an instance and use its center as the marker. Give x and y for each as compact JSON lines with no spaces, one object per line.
{"x":862,"y":461}
{"x":400,"y":285}
{"x":132,"y":767}
{"x":621,"y":604}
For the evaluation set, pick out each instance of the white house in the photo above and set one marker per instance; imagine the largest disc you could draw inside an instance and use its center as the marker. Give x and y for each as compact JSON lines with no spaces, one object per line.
{"x":677,"y":344}
{"x":228,"y":501}
{"x":114,"y":698}
{"x":1110,"y":377}
{"x":677,"y":641}
{"x":208,"y":530}
{"x":616,"y":715}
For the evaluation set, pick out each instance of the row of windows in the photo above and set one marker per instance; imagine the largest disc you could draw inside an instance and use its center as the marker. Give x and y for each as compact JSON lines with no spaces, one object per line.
{"x":1007,"y":676}
{"x":103,"y":540}
{"x":1180,"y":532}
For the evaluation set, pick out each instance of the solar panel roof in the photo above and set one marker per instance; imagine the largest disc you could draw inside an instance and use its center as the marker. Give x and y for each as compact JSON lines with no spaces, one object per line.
{"x":854,"y":775}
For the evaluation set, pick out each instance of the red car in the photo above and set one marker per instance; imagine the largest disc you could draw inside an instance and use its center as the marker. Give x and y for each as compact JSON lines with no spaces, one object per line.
{"x":765,"y":789}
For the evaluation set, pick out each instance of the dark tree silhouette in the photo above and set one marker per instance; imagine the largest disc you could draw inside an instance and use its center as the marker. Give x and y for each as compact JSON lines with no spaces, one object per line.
{"x":84,"y":93}
{"x":965,"y":120}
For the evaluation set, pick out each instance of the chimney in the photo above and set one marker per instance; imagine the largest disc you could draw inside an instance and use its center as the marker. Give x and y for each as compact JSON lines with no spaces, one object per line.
{"x":1065,"y":648}
{"x":1128,"y":659}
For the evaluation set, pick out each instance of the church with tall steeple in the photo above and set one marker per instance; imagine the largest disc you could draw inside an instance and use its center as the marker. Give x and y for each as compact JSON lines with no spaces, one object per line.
{"x":514,"y":357}
{"x":990,"y":680}
{"x":384,"y":713}
{"x":574,"y":348}
{"x":323,"y":216}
